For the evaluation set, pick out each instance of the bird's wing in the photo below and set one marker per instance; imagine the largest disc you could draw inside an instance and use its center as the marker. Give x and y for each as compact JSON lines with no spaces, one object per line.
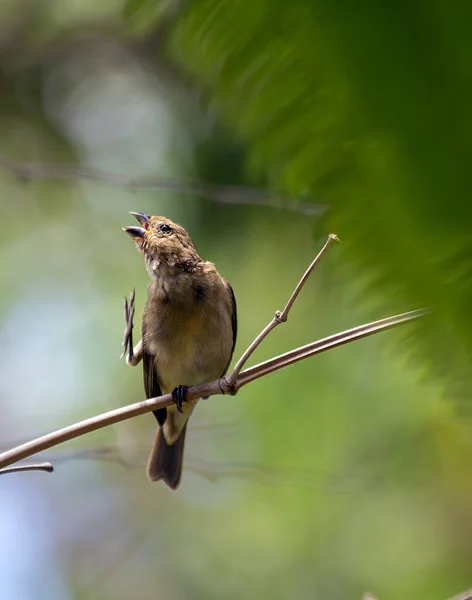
{"x":234,"y":322}
{"x":151,"y":382}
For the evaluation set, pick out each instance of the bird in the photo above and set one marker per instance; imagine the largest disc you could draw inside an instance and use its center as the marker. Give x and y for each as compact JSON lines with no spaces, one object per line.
{"x":189,"y":327}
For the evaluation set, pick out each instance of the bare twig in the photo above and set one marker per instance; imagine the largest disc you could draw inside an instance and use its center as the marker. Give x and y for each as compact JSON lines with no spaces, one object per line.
{"x":225,"y":194}
{"x":19,"y":468}
{"x":279,"y":317}
{"x":219,"y":386}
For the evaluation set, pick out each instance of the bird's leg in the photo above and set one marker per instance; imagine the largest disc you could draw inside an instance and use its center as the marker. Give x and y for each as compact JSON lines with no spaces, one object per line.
{"x":179,"y":396}
{"x":129,"y":324}
{"x":134,"y":354}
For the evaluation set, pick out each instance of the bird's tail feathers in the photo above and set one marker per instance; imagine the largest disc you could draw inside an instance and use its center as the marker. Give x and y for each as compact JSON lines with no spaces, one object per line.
{"x":165,"y":461}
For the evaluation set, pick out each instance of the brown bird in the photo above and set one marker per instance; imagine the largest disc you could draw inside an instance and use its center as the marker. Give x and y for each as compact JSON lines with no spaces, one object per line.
{"x":188,"y":332}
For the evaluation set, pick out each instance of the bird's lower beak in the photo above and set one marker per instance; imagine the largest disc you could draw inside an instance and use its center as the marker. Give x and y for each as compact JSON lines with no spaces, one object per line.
{"x":138,"y":232}
{"x":135,"y":232}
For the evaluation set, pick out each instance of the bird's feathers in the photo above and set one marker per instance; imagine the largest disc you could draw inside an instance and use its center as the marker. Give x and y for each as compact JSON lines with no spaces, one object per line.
{"x":152,"y":387}
{"x":165,"y":461}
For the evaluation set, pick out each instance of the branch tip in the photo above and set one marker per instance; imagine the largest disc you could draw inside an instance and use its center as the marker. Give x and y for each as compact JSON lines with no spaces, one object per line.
{"x":46,"y":467}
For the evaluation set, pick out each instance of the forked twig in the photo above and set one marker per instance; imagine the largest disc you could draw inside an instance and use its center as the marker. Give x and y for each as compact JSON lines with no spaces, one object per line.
{"x":280,"y":316}
{"x":216,"y":387}
{"x":224,"y":385}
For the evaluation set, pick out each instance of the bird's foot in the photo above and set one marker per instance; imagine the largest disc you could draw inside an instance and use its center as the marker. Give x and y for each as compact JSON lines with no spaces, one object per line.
{"x":129,"y":324}
{"x":179,"y":396}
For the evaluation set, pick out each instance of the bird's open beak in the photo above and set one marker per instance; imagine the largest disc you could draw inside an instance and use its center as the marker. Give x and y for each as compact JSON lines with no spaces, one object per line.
{"x":138,"y":232}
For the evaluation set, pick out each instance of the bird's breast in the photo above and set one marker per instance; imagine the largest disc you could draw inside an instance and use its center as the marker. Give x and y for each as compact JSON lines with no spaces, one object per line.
{"x":191,"y":344}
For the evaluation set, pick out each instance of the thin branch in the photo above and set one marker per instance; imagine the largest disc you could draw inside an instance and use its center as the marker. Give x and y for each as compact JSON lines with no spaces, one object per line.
{"x":280,"y":316}
{"x":332,"y":341}
{"x":47,"y":467}
{"x":224,"y":194}
{"x":219,"y":386}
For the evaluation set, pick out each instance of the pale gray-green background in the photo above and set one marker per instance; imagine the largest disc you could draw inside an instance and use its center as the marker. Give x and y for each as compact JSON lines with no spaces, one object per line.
{"x":347,"y":473}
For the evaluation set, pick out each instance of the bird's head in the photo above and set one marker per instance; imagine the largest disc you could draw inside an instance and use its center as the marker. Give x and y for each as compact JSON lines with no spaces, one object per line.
{"x":163,"y":244}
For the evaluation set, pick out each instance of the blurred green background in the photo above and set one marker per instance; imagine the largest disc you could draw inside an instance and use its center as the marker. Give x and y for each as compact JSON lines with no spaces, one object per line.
{"x":346,"y":473}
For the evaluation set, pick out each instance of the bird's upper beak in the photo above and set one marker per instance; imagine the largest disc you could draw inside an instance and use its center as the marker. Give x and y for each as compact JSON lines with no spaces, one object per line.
{"x":138,"y":232}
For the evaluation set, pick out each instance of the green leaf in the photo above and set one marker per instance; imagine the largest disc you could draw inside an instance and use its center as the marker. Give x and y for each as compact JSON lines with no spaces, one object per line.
{"x":367,"y":107}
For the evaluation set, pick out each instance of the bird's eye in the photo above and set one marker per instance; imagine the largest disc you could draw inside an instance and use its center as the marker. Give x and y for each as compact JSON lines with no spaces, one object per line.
{"x":165,"y":228}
